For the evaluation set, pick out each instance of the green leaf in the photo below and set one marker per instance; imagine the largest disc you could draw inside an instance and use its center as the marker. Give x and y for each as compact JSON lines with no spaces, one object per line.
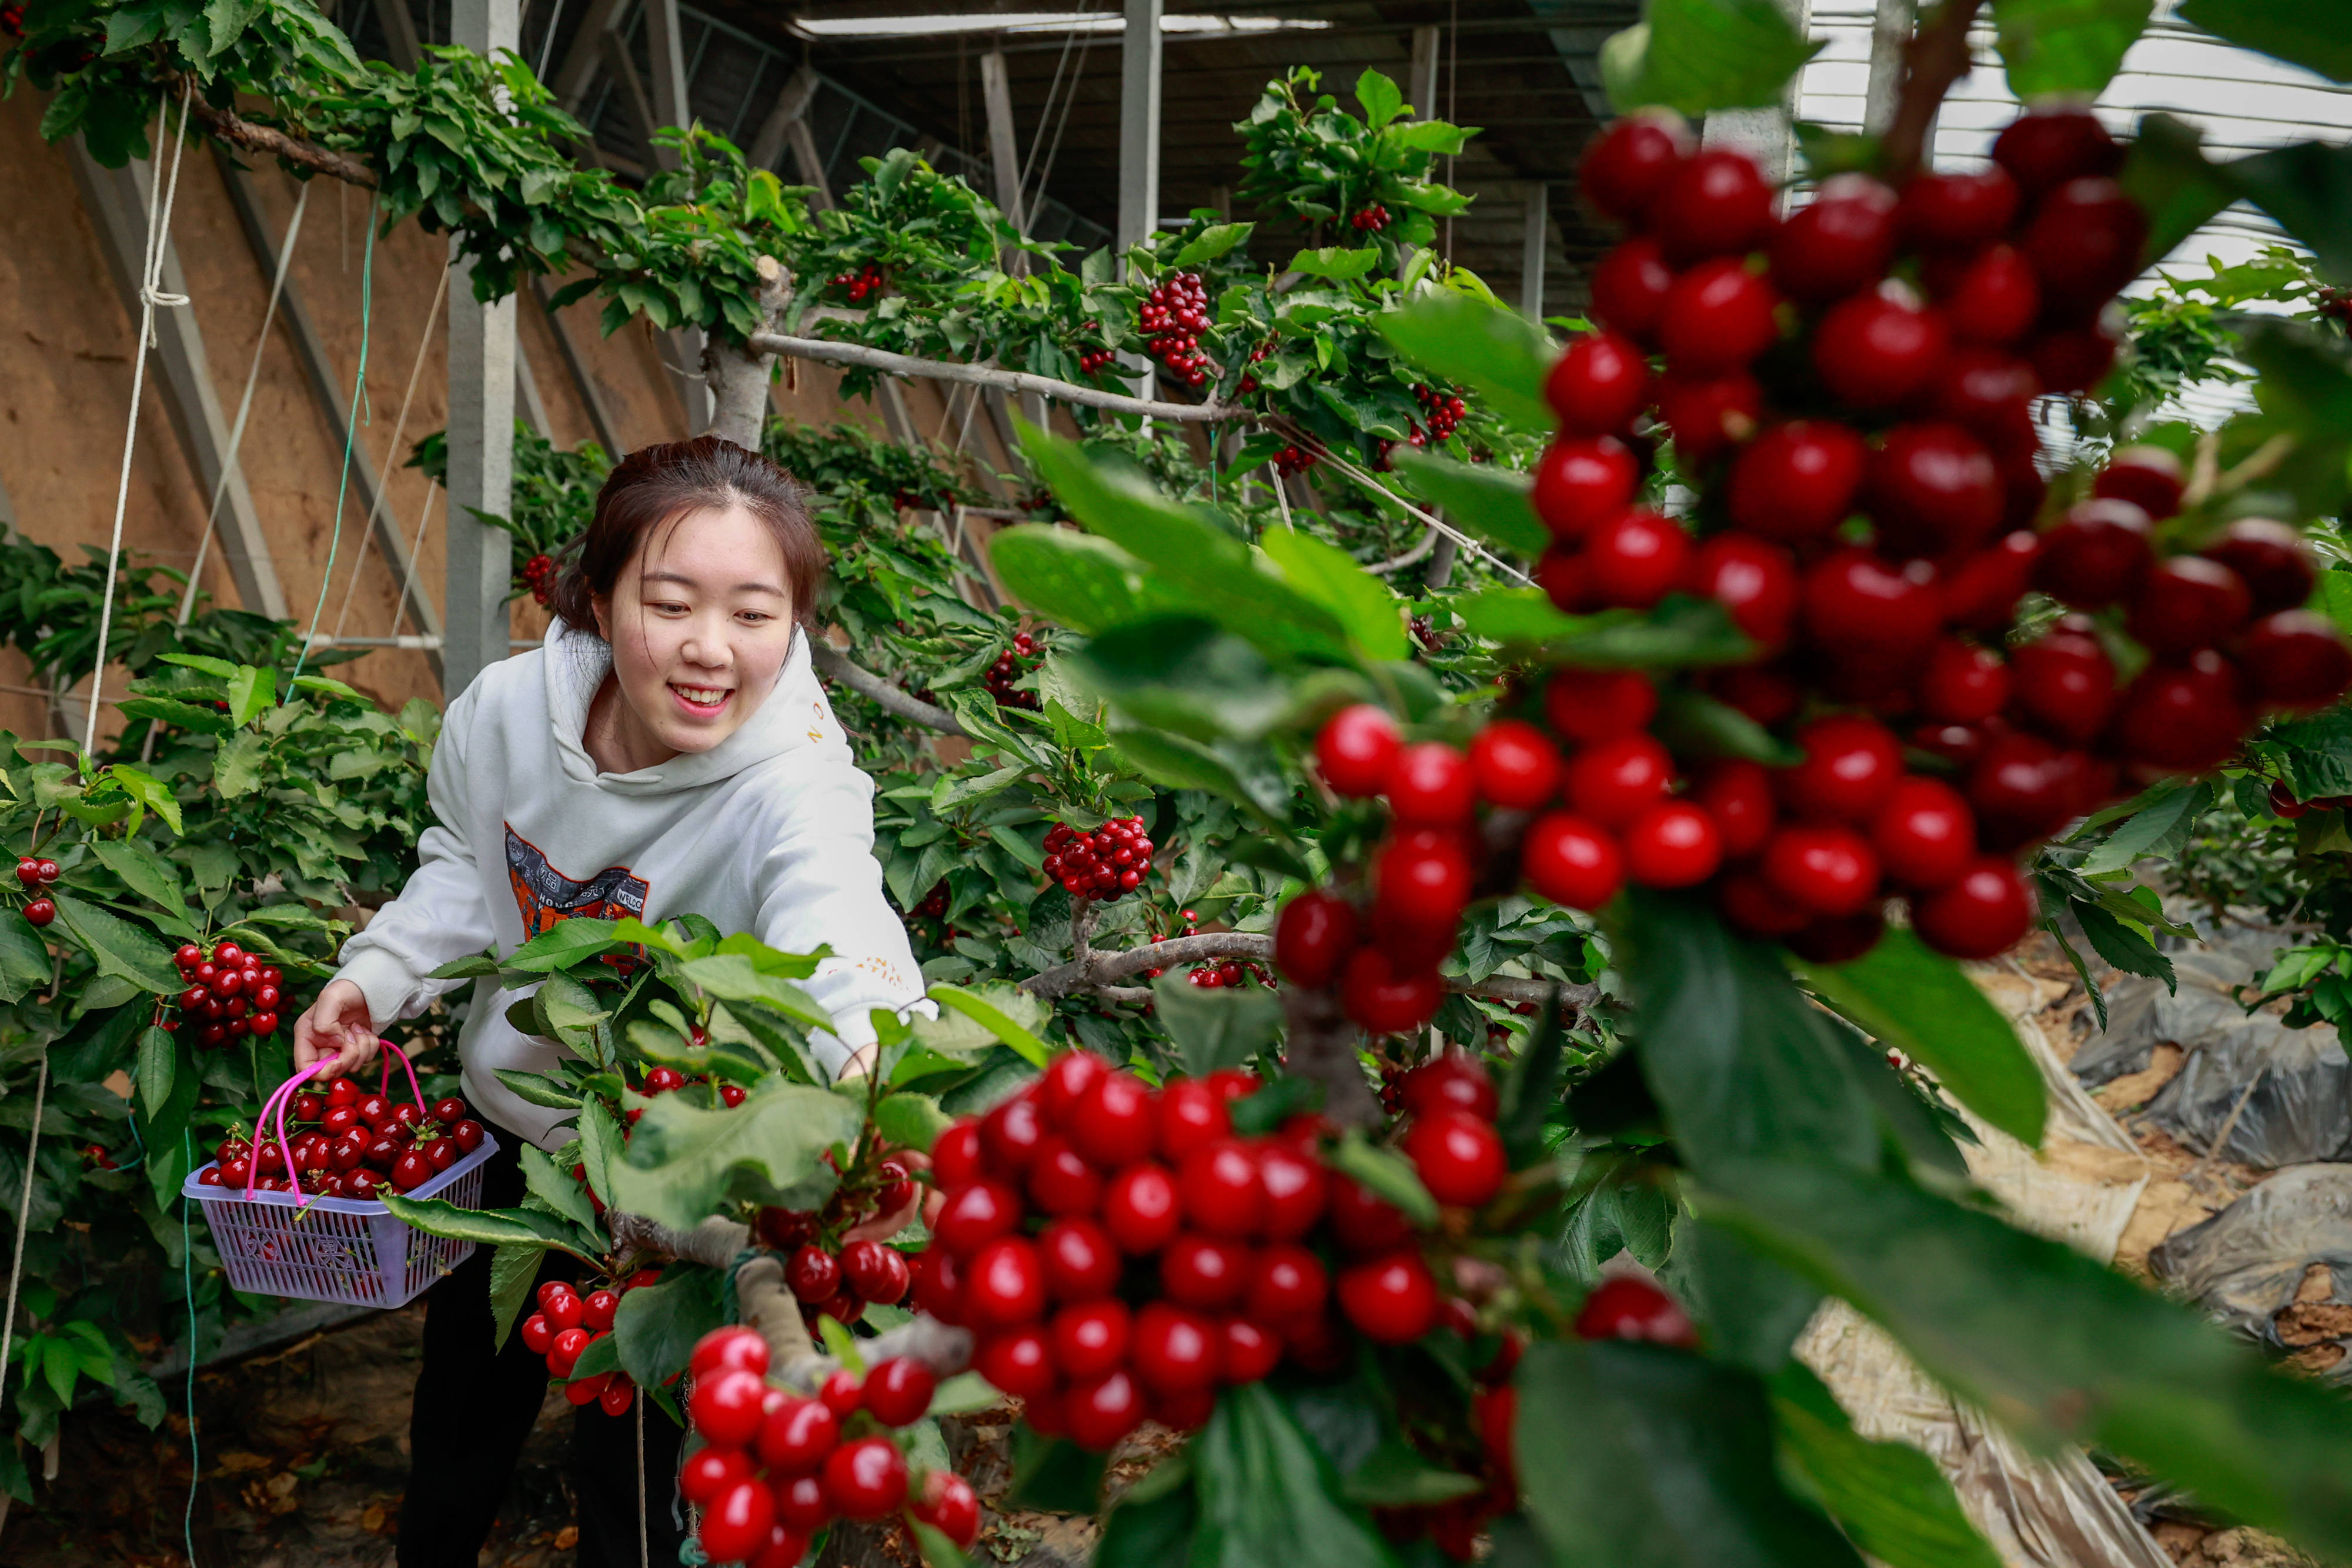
{"x":557,"y":1188}
{"x":985,"y":1012}
{"x":1394,"y":1475}
{"x":1499,"y":354}
{"x":117,"y":946}
{"x":2317,"y":39}
{"x":600,"y":1148}
{"x":1083,"y":581}
{"x":143,"y":871}
{"x":1890,"y":1498}
{"x":910,"y":1121}
{"x":1516,"y":615}
{"x":1692,"y":724}
{"x":2053,"y":47}
{"x":684,"y":1162}
{"x":1182,"y":673}
{"x":1381,"y":100}
{"x":1699,"y":55}
{"x":2165,"y":808}
{"x":2305,"y":185}
{"x":489,"y":1227}
{"x":1338,"y":263}
{"x":1385,"y":1176}
{"x":1214,"y":1029}
{"x":658,"y":1326}
{"x":237,"y":766}
{"x":2055,"y":1345}
{"x":1173,"y":762}
{"x":1267,"y":1495}
{"x":25,"y":962}
{"x":1636,"y":1455}
{"x":514,"y":1269}
{"x":537,"y":1089}
{"x":1211,"y":243}
{"x":1363,"y":604}
{"x":1053,"y":1475}
{"x":1742,"y":1063}
{"x":1530,"y":1089}
{"x":564,"y":944}
{"x":159,"y":1060}
{"x":1922,"y":1004}
{"x":1151,"y":1524}
{"x":1484,"y":498}
{"x":250,"y":693}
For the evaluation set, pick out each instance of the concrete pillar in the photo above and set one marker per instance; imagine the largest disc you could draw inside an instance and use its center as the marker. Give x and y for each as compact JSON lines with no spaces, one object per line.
{"x":1003,"y":147}
{"x":482,"y":425}
{"x":1768,"y":135}
{"x":1531,"y":250}
{"x":1139,"y":123}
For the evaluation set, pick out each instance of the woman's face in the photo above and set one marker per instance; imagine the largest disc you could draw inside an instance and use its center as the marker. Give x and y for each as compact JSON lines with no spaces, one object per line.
{"x":700,"y":623}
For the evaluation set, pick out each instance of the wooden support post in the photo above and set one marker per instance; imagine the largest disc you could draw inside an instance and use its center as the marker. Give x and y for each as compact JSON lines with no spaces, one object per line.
{"x":329,"y":392}
{"x":791,"y":104}
{"x":578,"y":70}
{"x":1531,"y":250}
{"x":118,"y":208}
{"x":480,"y":558}
{"x":1004,"y":146}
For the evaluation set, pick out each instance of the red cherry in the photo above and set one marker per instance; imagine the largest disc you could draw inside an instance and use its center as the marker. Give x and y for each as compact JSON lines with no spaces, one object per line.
{"x":1797,"y":480}
{"x":1989,"y":394}
{"x":1175,"y":1351}
{"x":1736,"y":796}
{"x":1962,"y":684}
{"x":1005,"y":1285}
{"x":1840,"y":243}
{"x":949,"y":1505}
{"x":1716,"y":203}
{"x":1375,"y":992}
{"x":1672,"y":845}
{"x":866,"y":1479}
{"x":1288,"y":1285}
{"x":2065,"y":682}
{"x":1293,"y":1190}
{"x":1065,"y":1080}
{"x":795,"y":1435}
{"x":1140,"y":1209}
{"x":975,"y":1215}
{"x":410,"y":1171}
{"x":2149,"y":477}
{"x":708,"y":1472}
{"x":2045,"y":147}
{"x":2097,"y":556}
{"x":1756,"y":581}
{"x":2295,"y":659}
{"x":1012,"y":1136}
{"x":1091,"y":1338}
{"x":1981,"y":913}
{"x":1580,"y":481}
{"x":802,"y":1505}
{"x":596,"y":1308}
{"x":1314,"y":935}
{"x":2085,"y":241}
{"x":1925,"y":836}
{"x":737,"y":1523}
{"x":1390,"y":1299}
{"x":1103,"y":1410}
{"x":1635,"y":557}
{"x":2284,"y":805}
{"x":1245,"y":1351}
{"x":2021,"y":788}
{"x":2188,"y":602}
{"x":1850,"y":768}
{"x":1877,"y":349}
{"x":728,"y":1409}
{"x":1204,"y":1271}
{"x":1061,"y":1182}
{"x":876,"y":1272}
{"x":1612,"y":781}
{"x":1218,"y":1188}
{"x":1629,"y":286}
{"x":1458,"y":1156}
{"x":1571,"y":860}
{"x":1421,"y":881}
{"x":1193,"y":1116}
{"x":955,"y":1155}
{"x":1857,"y":604}
{"x":1116,"y":1118}
{"x":1020,"y":1363}
{"x":1598,"y":385}
{"x":1626,"y":1307}
{"x":1708,"y":414}
{"x":2187,"y":716}
{"x":1355,"y":748}
{"x":1827,"y":868}
{"x":1080,"y":1261}
{"x":1451,"y":1081}
{"x":1718,"y":317}
{"x":2272,"y":558}
{"x":813,"y":1275}
{"x":1933,"y":488}
{"x":1513,"y":766}
{"x":1594,"y":705}
{"x":1981,"y":595}
{"x":1429,"y":786}
{"x":898,"y":1391}
{"x":1957,"y":212}
{"x":1631,"y":162}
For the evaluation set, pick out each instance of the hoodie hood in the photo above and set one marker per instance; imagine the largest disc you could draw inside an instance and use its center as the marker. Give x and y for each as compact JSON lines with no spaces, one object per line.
{"x":577,"y":661}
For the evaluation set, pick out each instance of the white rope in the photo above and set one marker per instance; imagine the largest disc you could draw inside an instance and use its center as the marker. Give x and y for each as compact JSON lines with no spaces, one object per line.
{"x":1350,"y":471}
{"x":150,"y":295}
{"x":244,"y":404}
{"x":25,"y":1212}
{"x":645,"y":1552}
{"x":391,"y":452}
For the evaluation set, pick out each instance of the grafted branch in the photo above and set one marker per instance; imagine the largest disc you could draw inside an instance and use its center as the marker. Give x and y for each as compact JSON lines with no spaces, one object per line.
{"x":228,"y":126}
{"x":987,"y":376}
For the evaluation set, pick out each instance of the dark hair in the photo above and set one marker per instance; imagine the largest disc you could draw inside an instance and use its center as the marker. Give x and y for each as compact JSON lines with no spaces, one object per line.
{"x":658,"y":485}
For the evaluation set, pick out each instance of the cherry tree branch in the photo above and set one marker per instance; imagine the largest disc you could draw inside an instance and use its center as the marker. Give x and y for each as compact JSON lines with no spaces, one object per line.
{"x":835,"y":665}
{"x":831,"y":352}
{"x":1935,"y":57}
{"x":227,"y":126}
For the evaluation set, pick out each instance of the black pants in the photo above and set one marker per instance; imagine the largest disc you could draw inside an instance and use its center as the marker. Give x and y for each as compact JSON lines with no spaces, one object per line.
{"x":475,"y":1406}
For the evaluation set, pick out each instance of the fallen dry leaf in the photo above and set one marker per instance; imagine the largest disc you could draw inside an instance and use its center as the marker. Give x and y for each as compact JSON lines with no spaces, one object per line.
{"x":567,"y":1538}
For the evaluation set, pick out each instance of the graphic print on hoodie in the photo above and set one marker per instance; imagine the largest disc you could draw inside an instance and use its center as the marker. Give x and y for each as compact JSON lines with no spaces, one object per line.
{"x":544,"y":895}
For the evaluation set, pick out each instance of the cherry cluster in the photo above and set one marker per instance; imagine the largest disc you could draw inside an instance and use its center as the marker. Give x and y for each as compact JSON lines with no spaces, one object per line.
{"x":857,"y":285}
{"x":1118,"y":1253}
{"x":839,"y":1279}
{"x":34,"y":875}
{"x":669,"y":1079}
{"x":232,"y":990}
{"x":1257,"y":355}
{"x":1108,"y":863}
{"x":568,"y":1322}
{"x":1011,"y":664}
{"x":538,"y":576}
{"x":1091,"y":360}
{"x":12,"y":19}
{"x":1372,"y":220}
{"x":1229,"y":975}
{"x":2335,"y":304}
{"x":1172,"y":319}
{"x":1443,"y":411}
{"x":353,"y":1144}
{"x":934,"y":906}
{"x":1294,"y":460}
{"x":774,"y":1469}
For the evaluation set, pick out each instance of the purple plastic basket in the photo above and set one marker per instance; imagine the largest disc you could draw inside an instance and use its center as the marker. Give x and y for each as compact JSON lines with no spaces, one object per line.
{"x":335,"y":1248}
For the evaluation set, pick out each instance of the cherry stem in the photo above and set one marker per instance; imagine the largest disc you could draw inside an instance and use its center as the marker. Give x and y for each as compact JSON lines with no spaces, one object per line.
{"x":1936,"y":56}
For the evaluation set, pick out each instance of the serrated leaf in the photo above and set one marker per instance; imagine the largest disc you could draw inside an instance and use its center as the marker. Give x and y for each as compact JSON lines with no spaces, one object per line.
{"x":1083,"y":581}
{"x":25,"y":962}
{"x":1362,"y":603}
{"x":143,"y":871}
{"x":514,"y":1269}
{"x":1498,"y":353}
{"x":684,"y":1162}
{"x":489,"y":1227}
{"x":1210,"y":244}
{"x":2062,"y":47}
{"x":117,"y":946}
{"x":159,"y":1062}
{"x":251,"y":691}
{"x":237,"y":766}
{"x":1700,"y":55}
{"x":990,"y":1015}
{"x":656,"y":1327}
{"x":1214,"y":1029}
{"x":1485,"y":498}
{"x":557,"y":1188}
{"x":910,"y":1121}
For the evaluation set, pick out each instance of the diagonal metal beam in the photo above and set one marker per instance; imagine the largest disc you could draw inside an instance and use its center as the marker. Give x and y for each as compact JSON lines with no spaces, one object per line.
{"x":599,"y":417}
{"x":791,"y":104}
{"x":328,"y":390}
{"x":578,"y":72}
{"x":400,"y":32}
{"x":117,"y":207}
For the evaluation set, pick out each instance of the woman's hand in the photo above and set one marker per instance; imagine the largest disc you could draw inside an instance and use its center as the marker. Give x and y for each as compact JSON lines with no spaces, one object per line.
{"x":337,"y":1029}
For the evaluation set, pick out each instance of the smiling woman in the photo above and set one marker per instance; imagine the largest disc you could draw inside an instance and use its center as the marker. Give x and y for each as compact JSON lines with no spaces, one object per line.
{"x":667,"y":751}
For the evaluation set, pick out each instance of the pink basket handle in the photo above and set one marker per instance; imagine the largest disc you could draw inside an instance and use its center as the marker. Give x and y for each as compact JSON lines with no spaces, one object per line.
{"x":415,"y":1090}
{"x":281,"y":1097}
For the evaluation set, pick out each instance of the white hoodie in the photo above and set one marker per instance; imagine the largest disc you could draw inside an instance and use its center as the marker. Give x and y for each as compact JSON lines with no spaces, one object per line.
{"x":770,"y":831}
